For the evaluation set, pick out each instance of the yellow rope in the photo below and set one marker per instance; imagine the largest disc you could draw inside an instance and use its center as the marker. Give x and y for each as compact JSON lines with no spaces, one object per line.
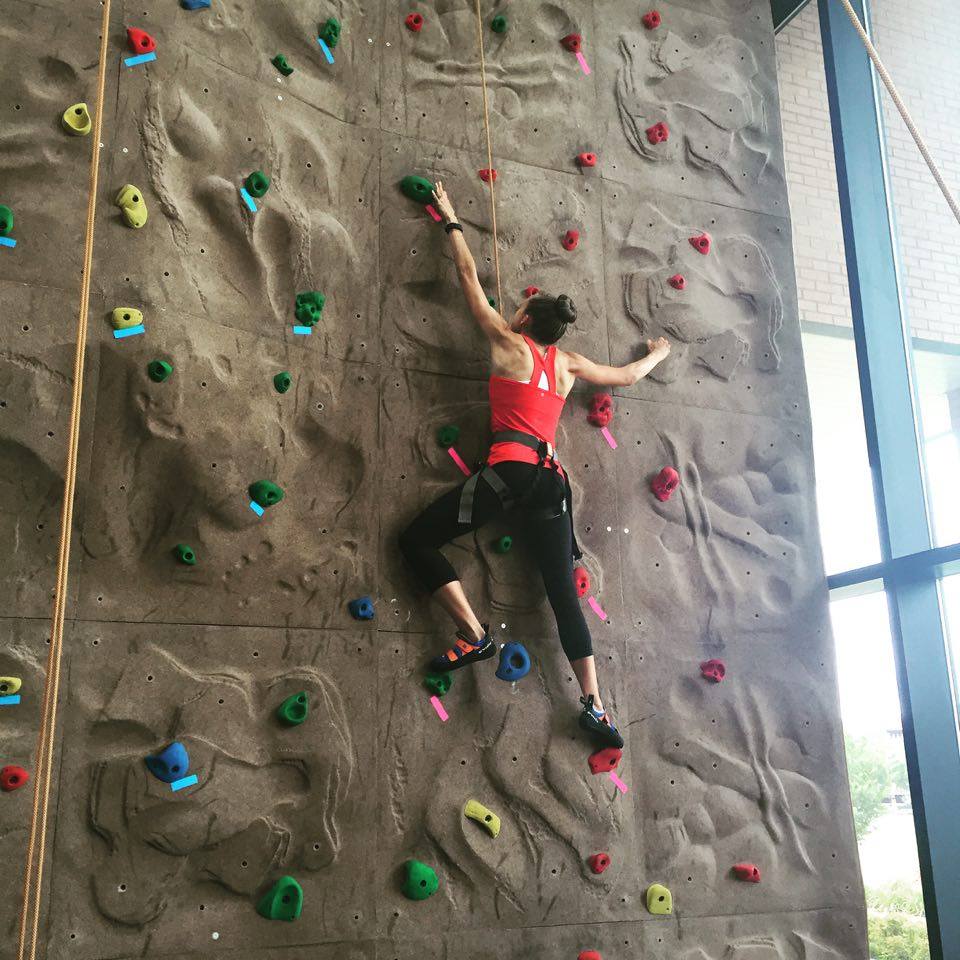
{"x":37,"y":844}
{"x":901,"y":106}
{"x":486,"y":127}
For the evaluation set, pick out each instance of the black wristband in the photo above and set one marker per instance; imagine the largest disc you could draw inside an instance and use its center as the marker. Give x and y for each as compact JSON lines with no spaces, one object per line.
{"x":453,"y":225}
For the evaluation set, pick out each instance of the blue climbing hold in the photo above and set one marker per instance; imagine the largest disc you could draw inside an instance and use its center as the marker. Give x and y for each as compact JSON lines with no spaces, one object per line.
{"x":194,"y":4}
{"x":361,"y":608}
{"x":514,"y":661}
{"x":170,"y":763}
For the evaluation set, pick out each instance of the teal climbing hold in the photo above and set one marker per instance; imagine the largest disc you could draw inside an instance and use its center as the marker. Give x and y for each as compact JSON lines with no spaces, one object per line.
{"x":504,"y":544}
{"x":283,"y":901}
{"x":264,"y":493}
{"x":330,"y":32}
{"x":282,"y":381}
{"x":257,"y":183}
{"x":293,"y":711}
{"x":159,"y":370}
{"x":309,"y":306}
{"x":438,"y":683}
{"x":420,"y":882}
{"x":6,"y":220}
{"x":185,"y":554}
{"x":499,"y":24}
{"x":447,"y":436}
{"x":417,"y":188}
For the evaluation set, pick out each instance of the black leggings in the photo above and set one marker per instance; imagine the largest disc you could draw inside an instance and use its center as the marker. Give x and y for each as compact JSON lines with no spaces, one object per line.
{"x":549,"y":539}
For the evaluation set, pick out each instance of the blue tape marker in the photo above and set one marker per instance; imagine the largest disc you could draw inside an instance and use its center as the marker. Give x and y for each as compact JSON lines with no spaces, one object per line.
{"x":325,"y":49}
{"x":256,"y":508}
{"x":303,"y":331}
{"x":184,"y":782}
{"x":130,"y":331}
{"x":10,"y":701}
{"x":7,"y":242}
{"x":143,"y":58}
{"x":248,"y":200}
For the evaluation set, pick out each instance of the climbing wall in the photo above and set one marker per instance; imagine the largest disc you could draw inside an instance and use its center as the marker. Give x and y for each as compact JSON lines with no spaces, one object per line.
{"x":746,"y":771}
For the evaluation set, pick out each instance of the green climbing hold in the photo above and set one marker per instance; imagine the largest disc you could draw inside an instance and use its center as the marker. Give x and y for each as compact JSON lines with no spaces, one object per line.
{"x":123,"y":318}
{"x":130,"y":200}
{"x":447,"y":436}
{"x":417,"y":188}
{"x":280,"y":62}
{"x":264,"y":493}
{"x":438,"y":683}
{"x":6,"y":220}
{"x":282,"y":381}
{"x":184,"y":553}
{"x":309,"y":306}
{"x":159,"y":370}
{"x":257,"y":183}
{"x":492,"y":302}
{"x":499,"y":24}
{"x":421,"y":881}
{"x":659,"y":899}
{"x":293,"y":711}
{"x":76,"y":120}
{"x":330,"y":32}
{"x":283,"y":901}
{"x":504,"y":544}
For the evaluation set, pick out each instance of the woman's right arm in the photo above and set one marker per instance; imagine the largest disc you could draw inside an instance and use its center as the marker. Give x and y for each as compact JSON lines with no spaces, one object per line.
{"x":625,"y":376}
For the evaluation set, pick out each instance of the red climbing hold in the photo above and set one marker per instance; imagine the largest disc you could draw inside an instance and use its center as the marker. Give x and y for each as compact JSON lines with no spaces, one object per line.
{"x":652,"y":20}
{"x":701,"y":243}
{"x":748,"y":872}
{"x":599,"y":862}
{"x":587,"y":159}
{"x":678,"y":281}
{"x":714,"y":670}
{"x":658,"y":133}
{"x":581,"y":580}
{"x":140,"y":41}
{"x":664,"y":483}
{"x":605,"y":760}
{"x":572,"y":42}
{"x":12,"y":778}
{"x":601,"y":409}
{"x":414,"y":22}
{"x":589,"y":955}
{"x":570,"y":239}
{"x":531,"y":291}
{"x":487,"y":174}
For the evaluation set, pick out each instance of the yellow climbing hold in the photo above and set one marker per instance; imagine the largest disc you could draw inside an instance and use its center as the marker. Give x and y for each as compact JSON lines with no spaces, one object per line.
{"x":9,"y":686}
{"x":130,"y":201}
{"x":486,"y":818}
{"x":124,"y":317}
{"x":76,"y":120}
{"x":659,"y":899}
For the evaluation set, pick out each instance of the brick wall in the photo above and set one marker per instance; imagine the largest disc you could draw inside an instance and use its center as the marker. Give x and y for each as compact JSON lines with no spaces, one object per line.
{"x":919,"y":43}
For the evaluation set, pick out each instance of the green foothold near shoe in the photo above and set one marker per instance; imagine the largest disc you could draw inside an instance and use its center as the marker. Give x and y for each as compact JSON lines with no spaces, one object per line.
{"x":283,"y":901}
{"x":330,"y":32}
{"x":309,"y":306}
{"x":421,"y":881}
{"x":659,"y":899}
{"x":264,"y":493}
{"x":9,"y":685}
{"x":293,"y":711}
{"x":159,"y":370}
{"x":447,"y":436}
{"x":499,"y":24}
{"x":184,"y":553}
{"x":6,"y":220}
{"x":76,"y":120}
{"x":257,"y":183}
{"x":280,"y":62}
{"x":504,"y":544}
{"x":282,"y":381}
{"x":438,"y":683}
{"x":417,"y":188}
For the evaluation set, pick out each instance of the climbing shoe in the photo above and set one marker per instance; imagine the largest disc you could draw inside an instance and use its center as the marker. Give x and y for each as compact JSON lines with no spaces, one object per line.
{"x":597,"y":723}
{"x":465,"y":651}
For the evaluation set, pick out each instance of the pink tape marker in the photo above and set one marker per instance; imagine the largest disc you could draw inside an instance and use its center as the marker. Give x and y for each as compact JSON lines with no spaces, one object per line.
{"x":608,"y":436}
{"x":433,"y":213}
{"x":438,"y":706}
{"x":596,"y":608}
{"x":583,"y":63}
{"x":456,"y":459}
{"x":618,"y":783}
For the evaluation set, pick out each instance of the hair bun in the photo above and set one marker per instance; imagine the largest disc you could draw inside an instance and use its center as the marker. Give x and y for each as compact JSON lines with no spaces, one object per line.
{"x":566,"y":309}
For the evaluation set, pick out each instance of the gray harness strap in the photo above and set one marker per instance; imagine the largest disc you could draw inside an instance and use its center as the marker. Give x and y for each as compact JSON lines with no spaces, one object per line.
{"x":470,"y":491}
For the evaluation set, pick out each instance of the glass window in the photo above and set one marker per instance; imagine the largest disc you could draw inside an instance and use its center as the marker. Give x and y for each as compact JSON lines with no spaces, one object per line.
{"x":950,"y":596}
{"x":876,"y":765}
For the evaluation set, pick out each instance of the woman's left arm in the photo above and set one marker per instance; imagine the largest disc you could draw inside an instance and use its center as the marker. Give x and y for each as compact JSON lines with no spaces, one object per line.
{"x":492,"y":324}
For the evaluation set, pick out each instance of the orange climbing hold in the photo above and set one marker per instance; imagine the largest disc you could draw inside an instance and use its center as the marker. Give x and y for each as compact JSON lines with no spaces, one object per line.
{"x":486,"y":175}
{"x":140,"y":40}
{"x":701,"y":243}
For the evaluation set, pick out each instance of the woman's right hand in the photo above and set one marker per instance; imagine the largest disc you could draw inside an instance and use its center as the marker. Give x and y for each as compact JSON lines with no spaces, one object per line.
{"x":444,"y":206}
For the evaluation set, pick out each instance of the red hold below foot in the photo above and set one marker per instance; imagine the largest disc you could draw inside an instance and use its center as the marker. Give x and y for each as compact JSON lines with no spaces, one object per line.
{"x":414,"y":22}
{"x":589,"y":955}
{"x":652,"y":20}
{"x":713,"y":670}
{"x":677,"y":281}
{"x":599,"y":862}
{"x":486,"y":175}
{"x":531,"y":291}
{"x":570,"y":239}
{"x":13,"y":778}
{"x":572,"y":42}
{"x":601,"y":409}
{"x":587,"y":159}
{"x":581,"y":580}
{"x":140,"y":41}
{"x":658,"y":133}
{"x":605,"y":760}
{"x":664,"y":483}
{"x":748,"y":872}
{"x":701,"y":243}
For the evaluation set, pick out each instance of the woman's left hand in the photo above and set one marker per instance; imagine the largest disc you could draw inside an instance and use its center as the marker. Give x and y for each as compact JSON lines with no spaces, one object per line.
{"x":444,"y":206}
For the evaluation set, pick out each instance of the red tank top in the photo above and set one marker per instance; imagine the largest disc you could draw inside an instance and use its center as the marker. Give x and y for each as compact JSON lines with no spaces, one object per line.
{"x":524,"y":406}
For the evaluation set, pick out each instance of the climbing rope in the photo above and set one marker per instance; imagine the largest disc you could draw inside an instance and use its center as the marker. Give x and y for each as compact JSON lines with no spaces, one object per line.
{"x":490,"y":178}
{"x":37,"y":844}
{"x":901,"y":106}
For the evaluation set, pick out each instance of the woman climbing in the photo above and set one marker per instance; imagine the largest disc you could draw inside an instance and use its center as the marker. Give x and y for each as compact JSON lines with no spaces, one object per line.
{"x":529,"y":384}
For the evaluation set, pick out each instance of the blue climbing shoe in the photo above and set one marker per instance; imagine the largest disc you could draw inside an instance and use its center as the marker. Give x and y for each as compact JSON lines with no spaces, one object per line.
{"x":598,"y":724}
{"x":465,"y":651}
